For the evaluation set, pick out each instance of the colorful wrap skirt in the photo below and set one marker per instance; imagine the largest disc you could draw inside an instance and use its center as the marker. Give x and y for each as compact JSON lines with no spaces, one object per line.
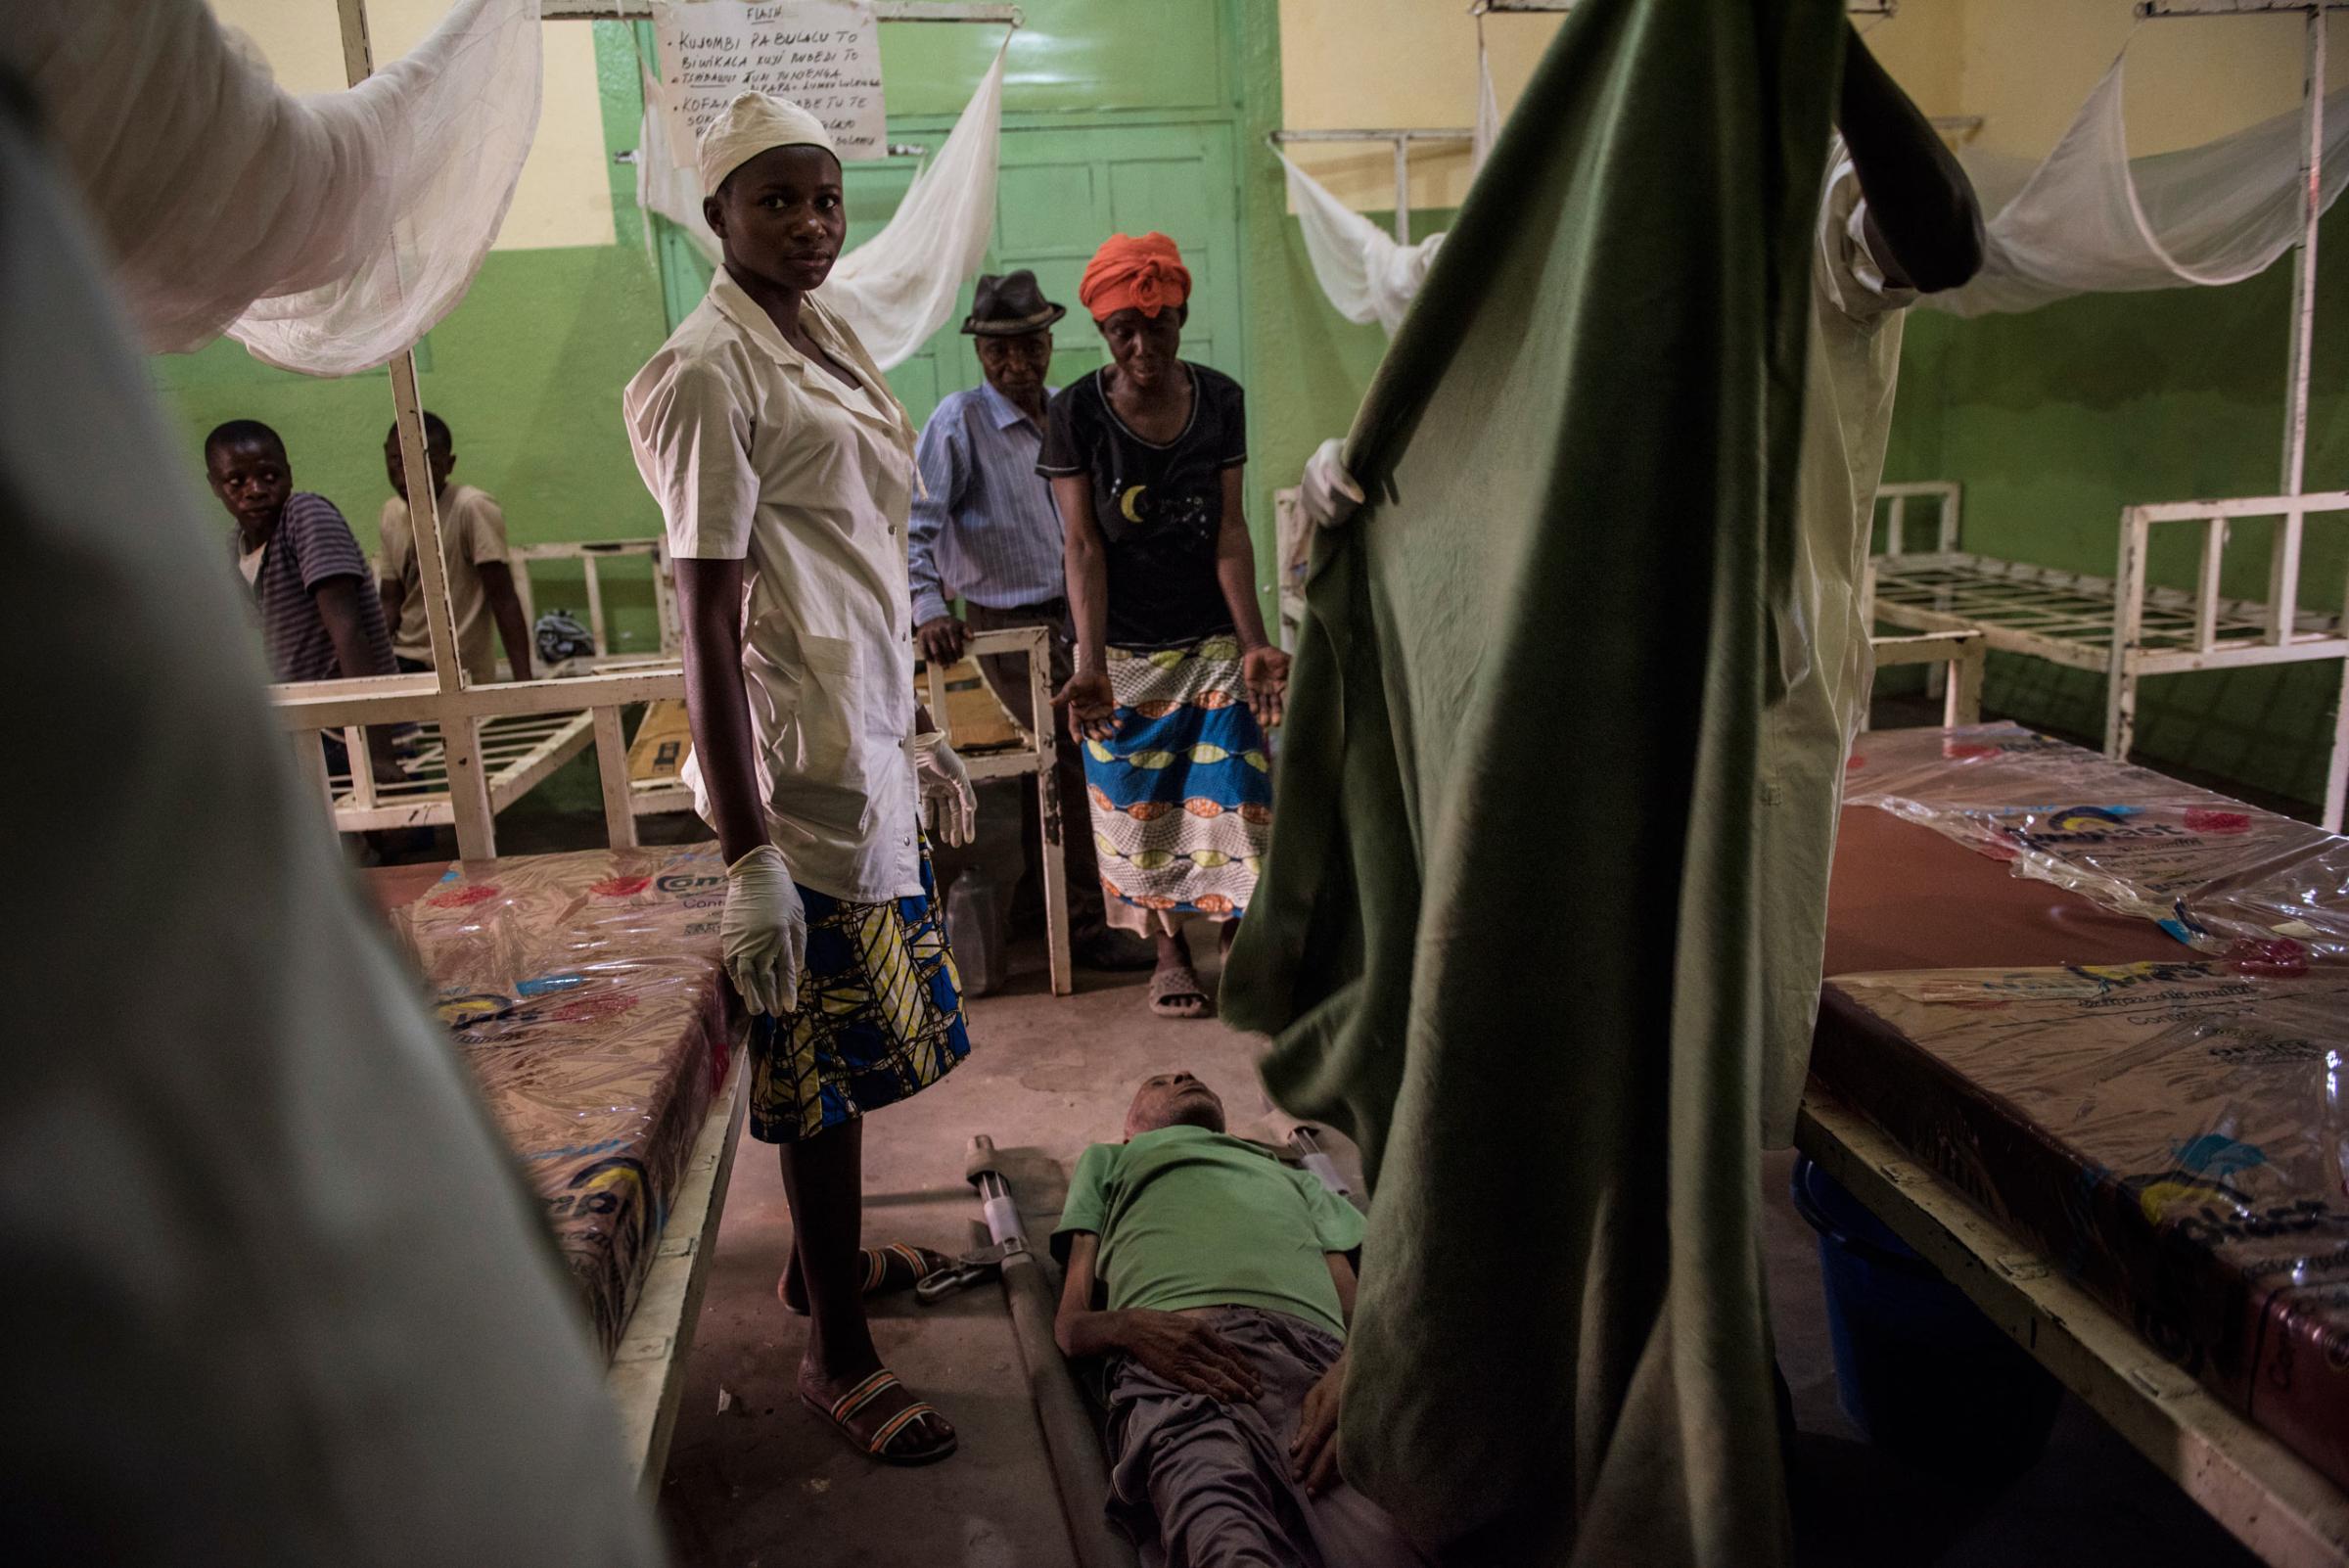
{"x":1182,"y":793}
{"x":879,"y":1016}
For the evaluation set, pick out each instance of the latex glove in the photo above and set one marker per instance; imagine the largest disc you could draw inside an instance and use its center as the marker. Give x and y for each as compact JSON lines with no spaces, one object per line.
{"x":763,"y":932}
{"x":1329,"y":493}
{"x":949,"y":806}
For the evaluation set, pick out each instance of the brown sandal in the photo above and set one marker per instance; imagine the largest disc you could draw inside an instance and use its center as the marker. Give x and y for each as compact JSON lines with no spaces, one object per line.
{"x":882,"y":1443}
{"x":886,"y":1271}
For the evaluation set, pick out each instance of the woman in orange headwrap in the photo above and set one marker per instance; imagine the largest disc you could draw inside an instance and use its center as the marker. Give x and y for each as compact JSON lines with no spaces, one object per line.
{"x":1175,"y":676}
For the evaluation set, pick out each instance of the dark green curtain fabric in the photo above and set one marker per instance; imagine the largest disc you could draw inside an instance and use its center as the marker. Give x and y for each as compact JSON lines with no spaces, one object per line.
{"x":1505,"y":937}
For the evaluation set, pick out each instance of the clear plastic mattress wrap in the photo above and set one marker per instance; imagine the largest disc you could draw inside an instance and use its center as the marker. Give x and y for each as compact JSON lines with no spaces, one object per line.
{"x":2224,"y":878}
{"x":2172,"y":1135}
{"x":585,"y":990}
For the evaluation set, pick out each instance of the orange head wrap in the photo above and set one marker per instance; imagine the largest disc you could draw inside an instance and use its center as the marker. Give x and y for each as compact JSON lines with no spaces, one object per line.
{"x":1146,"y":274}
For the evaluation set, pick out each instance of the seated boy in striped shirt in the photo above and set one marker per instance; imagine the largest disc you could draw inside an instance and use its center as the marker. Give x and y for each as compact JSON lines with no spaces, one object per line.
{"x":320,"y":617}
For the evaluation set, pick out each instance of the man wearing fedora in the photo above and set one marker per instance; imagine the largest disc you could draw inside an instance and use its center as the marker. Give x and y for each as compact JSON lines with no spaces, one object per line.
{"x":988,"y":533}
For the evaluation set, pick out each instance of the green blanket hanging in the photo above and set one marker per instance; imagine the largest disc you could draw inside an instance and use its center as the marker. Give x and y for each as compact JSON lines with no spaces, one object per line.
{"x":1506,"y":935}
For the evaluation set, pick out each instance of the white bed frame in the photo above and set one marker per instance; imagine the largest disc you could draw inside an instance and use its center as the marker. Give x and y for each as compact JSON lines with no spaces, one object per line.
{"x":2121,"y":626}
{"x":590,"y":554}
{"x":519,"y":751}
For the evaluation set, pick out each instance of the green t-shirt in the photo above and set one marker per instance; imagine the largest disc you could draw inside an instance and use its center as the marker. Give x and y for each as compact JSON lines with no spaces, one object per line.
{"x":1189,"y":1218}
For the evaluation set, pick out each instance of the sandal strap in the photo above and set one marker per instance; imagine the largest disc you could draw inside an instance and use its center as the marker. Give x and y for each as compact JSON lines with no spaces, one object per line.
{"x":897,"y":1424}
{"x":1181,"y":981}
{"x":845,"y":1407}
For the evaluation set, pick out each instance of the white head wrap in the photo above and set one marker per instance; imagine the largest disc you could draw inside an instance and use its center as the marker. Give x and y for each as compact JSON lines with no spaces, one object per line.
{"x":751,"y":124}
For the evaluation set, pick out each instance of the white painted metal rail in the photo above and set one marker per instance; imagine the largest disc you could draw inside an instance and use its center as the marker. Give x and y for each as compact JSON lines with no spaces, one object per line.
{"x":1960,"y":654}
{"x":518,"y":752}
{"x":883,"y":10}
{"x":1403,"y":140}
{"x":592,"y":555}
{"x":2123,"y":626}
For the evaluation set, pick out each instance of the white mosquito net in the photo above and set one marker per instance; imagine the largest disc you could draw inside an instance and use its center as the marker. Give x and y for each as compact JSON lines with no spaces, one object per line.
{"x":325,"y":233}
{"x":2091,"y":220}
{"x":1366,"y":272}
{"x":2086,"y":219}
{"x":901,"y":285}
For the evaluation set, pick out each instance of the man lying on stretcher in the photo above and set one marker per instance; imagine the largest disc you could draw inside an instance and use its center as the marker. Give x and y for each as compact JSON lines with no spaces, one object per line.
{"x":1228,"y":1290}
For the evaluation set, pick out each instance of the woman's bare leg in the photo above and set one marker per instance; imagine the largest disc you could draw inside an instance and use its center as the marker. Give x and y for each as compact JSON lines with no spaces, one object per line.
{"x":823,"y":1177}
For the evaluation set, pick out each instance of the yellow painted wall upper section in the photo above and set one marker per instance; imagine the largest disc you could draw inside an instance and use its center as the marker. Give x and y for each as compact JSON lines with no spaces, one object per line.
{"x":565,"y":195}
{"x":1352,"y":64}
{"x":2024,"y":66}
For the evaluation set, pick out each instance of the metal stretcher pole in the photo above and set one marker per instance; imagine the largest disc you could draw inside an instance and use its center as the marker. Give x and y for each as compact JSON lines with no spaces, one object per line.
{"x":1071,"y":1443}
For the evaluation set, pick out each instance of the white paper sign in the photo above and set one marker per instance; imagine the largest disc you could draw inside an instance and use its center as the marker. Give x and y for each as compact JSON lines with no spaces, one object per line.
{"x":822,"y":55}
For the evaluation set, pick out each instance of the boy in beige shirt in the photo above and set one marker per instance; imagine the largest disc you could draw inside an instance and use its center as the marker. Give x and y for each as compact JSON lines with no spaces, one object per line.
{"x":473,"y":543}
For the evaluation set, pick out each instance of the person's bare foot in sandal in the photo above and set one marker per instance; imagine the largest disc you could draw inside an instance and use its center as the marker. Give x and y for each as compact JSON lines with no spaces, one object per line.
{"x":1175,"y":989}
{"x":886,"y":1271}
{"x":877,"y":1415}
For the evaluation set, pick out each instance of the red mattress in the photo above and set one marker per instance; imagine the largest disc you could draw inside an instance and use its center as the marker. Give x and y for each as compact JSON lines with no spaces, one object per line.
{"x":585,"y":991}
{"x":2165,"y":1124}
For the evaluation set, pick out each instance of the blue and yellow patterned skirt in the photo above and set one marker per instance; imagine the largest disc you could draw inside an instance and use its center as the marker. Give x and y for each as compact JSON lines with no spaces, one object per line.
{"x":1182,"y":793}
{"x":879,"y":1019}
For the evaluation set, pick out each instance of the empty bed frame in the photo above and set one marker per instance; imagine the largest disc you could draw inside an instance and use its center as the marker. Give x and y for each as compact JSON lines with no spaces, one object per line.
{"x":592,"y":555}
{"x":2122,"y":626}
{"x":519,"y":751}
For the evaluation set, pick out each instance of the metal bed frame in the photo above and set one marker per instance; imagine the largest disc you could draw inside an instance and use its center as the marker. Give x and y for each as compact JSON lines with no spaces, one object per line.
{"x":590,"y":554}
{"x":519,"y":751}
{"x":2122,"y":626}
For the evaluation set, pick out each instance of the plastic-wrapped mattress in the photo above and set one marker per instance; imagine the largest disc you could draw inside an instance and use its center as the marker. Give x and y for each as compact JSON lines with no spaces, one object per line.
{"x":2172,"y":1135}
{"x":2164,"y":1124}
{"x":585,"y":990}
{"x":2222,"y":877}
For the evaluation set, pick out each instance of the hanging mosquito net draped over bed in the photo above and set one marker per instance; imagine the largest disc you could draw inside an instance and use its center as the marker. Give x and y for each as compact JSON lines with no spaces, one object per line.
{"x":2091,"y":220}
{"x":2087,"y":219}
{"x":360,"y":217}
{"x":1365,"y":271}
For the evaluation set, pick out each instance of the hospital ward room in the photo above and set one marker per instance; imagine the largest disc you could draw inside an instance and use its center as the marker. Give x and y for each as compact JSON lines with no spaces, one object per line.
{"x":1194,"y":784}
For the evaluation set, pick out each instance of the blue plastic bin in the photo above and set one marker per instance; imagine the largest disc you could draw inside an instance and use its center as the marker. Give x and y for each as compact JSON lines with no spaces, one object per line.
{"x":1919,"y":1368}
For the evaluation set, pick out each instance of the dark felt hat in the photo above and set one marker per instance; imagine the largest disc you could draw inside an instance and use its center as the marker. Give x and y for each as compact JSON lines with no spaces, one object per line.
{"x":1008,"y":305}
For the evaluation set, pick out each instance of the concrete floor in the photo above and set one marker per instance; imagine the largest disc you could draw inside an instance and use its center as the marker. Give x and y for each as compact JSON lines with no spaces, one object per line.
{"x":761,"y":1482}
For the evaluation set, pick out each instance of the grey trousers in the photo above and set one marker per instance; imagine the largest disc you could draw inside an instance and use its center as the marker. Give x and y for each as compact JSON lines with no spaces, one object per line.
{"x":1200,"y":1484}
{"x":1007,"y":676}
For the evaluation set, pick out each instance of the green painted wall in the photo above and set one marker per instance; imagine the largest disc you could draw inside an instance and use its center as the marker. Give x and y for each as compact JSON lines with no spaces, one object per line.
{"x":2055,"y":419}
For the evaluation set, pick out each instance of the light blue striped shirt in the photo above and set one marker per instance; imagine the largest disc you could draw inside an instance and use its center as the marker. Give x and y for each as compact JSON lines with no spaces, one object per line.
{"x":986,"y":530}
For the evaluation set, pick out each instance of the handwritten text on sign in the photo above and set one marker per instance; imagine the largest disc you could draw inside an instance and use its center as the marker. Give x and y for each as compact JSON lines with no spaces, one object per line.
{"x":822,"y":55}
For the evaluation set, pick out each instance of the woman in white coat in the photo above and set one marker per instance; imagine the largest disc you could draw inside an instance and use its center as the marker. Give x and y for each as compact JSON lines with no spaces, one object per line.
{"x":784,"y":468}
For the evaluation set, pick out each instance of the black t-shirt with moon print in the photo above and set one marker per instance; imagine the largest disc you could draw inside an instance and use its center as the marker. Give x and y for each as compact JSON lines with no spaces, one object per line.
{"x":1159,"y":507}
